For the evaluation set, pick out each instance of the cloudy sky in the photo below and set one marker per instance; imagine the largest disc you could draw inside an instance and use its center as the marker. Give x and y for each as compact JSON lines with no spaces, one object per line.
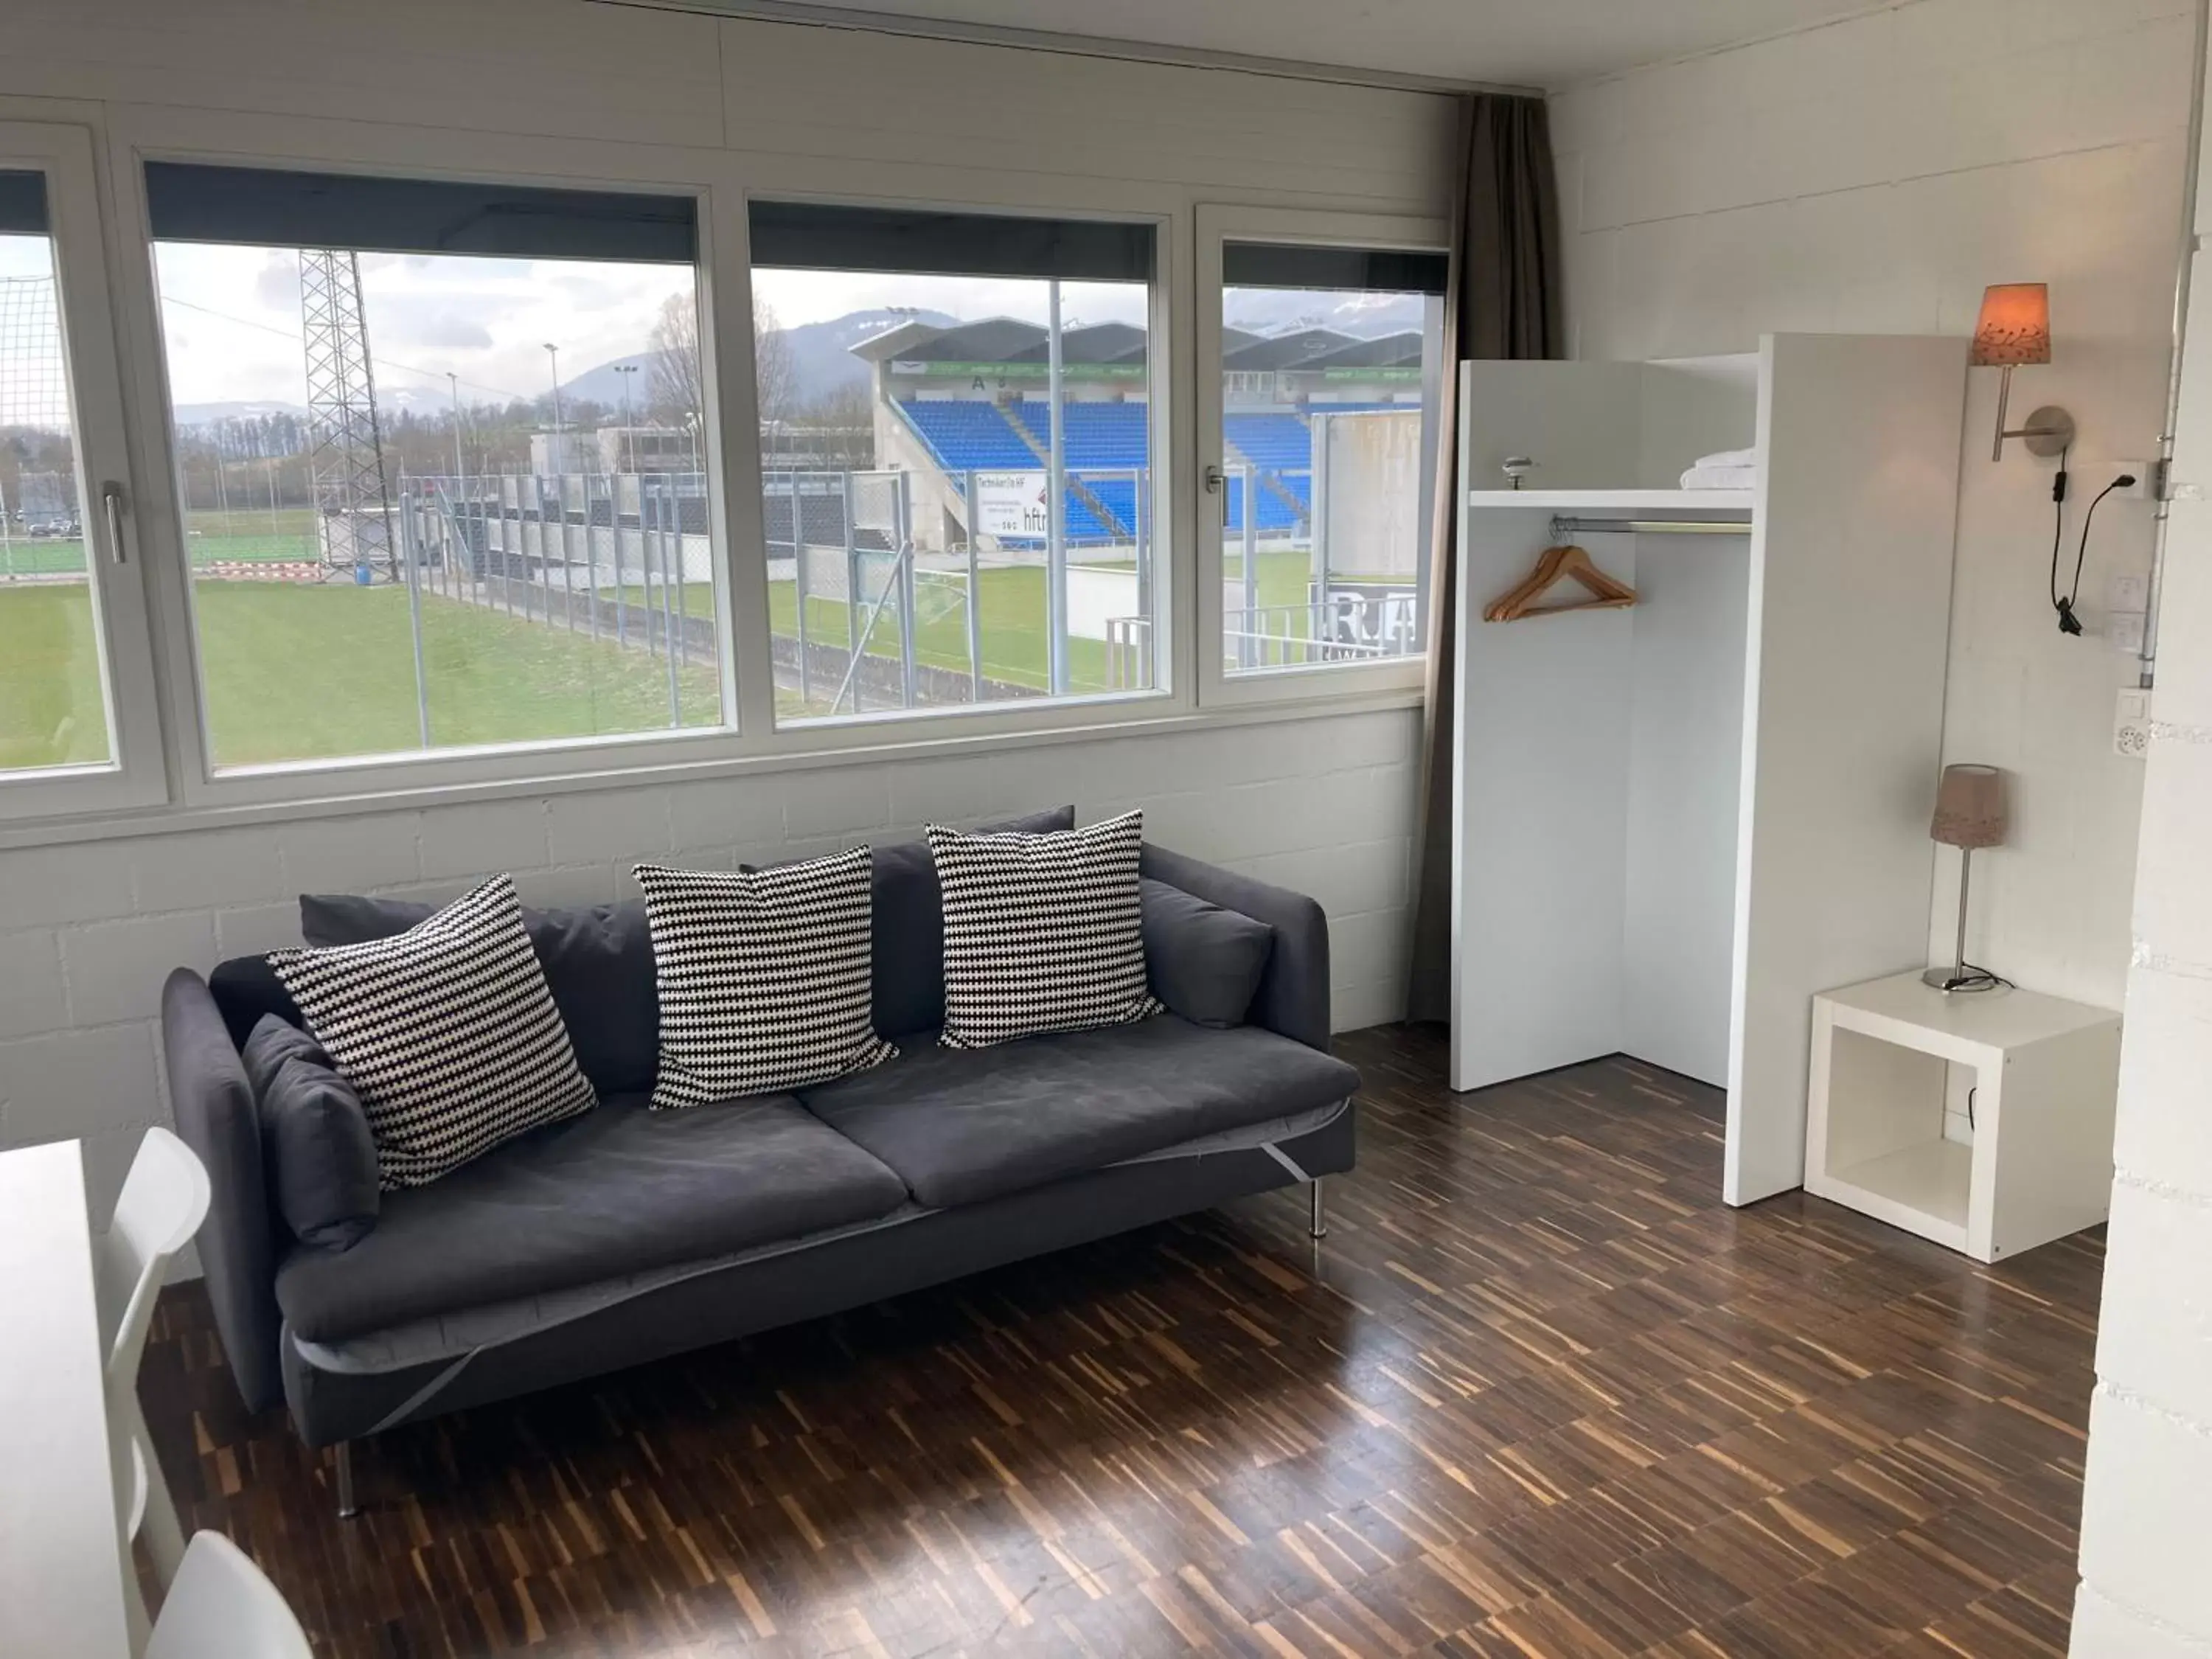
{"x":230,"y":318}
{"x":231,"y":315}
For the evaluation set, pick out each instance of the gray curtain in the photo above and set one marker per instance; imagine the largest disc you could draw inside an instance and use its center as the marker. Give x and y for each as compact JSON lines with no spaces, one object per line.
{"x":1504,"y":303}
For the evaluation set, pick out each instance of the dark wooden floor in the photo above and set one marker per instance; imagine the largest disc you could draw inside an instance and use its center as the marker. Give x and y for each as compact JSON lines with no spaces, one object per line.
{"x":1540,"y":1392}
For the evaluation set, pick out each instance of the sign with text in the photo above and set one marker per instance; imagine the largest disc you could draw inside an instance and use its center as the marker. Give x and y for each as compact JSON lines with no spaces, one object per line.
{"x":1011,"y":504}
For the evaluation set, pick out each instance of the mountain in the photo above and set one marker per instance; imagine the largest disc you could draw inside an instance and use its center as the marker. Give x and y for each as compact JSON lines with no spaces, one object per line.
{"x":822,"y":360}
{"x":190,"y":415}
{"x":1366,"y":316}
{"x":604,"y":384}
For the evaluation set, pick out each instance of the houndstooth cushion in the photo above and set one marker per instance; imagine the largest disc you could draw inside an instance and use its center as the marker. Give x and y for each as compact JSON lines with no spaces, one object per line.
{"x":763,"y":977}
{"x":1041,"y":932}
{"x":446,"y":1032}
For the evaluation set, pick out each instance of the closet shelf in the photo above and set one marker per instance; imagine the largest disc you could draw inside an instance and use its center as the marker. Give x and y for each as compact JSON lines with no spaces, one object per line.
{"x":1595,"y":501}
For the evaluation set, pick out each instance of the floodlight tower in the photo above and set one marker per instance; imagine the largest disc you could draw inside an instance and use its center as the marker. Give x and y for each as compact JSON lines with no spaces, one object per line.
{"x":353,"y":497}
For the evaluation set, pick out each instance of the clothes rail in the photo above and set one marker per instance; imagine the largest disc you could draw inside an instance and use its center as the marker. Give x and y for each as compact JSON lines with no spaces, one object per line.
{"x":1565,"y":529}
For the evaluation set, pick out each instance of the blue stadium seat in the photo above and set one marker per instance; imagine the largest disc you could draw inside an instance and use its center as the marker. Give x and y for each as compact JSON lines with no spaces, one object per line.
{"x":1099,"y":434}
{"x":1276,"y":442}
{"x":963,"y":436}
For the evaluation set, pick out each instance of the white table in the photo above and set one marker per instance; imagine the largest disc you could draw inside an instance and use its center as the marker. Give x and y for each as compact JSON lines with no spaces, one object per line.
{"x":61,"y":1556}
{"x":2044,"y":1071}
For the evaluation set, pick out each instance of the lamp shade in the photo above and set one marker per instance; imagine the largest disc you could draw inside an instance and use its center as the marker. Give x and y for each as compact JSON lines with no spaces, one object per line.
{"x":1970,"y":807}
{"x":2014,"y":327}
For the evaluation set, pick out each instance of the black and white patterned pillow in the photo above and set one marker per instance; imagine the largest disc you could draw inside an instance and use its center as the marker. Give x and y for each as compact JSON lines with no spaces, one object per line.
{"x":1041,"y":932}
{"x":763,"y":977}
{"x":446,"y":1032}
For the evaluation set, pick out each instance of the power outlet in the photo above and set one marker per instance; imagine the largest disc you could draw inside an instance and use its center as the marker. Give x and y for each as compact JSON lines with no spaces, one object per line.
{"x":2090,"y":476}
{"x":2131,"y":725}
{"x":2123,"y":631}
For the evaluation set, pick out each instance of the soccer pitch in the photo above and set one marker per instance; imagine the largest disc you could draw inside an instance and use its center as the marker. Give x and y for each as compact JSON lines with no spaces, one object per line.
{"x":305,"y":671}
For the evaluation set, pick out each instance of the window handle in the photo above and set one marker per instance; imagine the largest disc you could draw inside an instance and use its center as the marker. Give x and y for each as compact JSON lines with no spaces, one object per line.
{"x":1217,"y":482}
{"x":113,"y":502}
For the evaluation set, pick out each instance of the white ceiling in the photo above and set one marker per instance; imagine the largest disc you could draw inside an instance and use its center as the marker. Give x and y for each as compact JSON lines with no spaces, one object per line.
{"x":1542,"y":43}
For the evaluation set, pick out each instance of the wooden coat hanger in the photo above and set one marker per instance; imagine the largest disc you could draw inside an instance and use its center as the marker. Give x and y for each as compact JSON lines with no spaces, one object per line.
{"x":1557,"y":565}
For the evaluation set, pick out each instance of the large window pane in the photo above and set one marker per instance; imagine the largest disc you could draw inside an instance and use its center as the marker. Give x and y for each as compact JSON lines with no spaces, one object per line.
{"x":1331,"y":372}
{"x":436,"y":498}
{"x":53,"y":700}
{"x":955,"y":456}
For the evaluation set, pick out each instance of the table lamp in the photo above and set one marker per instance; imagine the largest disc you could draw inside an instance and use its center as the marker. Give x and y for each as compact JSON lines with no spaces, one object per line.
{"x":1970,"y":812}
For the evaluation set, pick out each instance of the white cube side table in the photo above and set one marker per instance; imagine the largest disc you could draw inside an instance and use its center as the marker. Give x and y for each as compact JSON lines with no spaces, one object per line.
{"x":2045,"y":1071}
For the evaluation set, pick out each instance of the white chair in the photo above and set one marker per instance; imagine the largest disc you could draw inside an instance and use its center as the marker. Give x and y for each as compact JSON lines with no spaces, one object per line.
{"x":223,"y":1607}
{"x":165,"y":1199}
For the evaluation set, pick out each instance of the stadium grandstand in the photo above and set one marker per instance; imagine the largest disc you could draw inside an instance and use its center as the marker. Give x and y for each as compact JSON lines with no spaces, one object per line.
{"x":952,"y":402}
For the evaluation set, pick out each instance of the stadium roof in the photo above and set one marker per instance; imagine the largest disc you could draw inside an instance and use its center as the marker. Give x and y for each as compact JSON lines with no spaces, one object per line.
{"x":1390,"y":351}
{"x":1285,"y":350}
{"x":1104,"y":343}
{"x":892,"y":341}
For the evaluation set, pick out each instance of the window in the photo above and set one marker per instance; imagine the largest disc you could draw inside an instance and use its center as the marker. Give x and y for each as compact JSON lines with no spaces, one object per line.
{"x":1331,"y":372}
{"x":957,"y":449}
{"x":78,"y":726}
{"x":441,"y":462}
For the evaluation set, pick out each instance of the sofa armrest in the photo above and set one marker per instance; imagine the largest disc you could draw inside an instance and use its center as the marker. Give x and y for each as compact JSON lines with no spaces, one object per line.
{"x":215,"y":1116}
{"x":1293,"y":999}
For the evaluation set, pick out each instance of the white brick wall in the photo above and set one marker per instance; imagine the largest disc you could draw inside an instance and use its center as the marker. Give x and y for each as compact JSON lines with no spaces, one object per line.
{"x":87,"y":932}
{"x":1875,"y":175}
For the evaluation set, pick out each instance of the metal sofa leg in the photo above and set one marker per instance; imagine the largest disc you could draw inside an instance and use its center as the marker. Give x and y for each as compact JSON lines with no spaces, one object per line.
{"x":1317,"y":1226}
{"x":347,"y":1508}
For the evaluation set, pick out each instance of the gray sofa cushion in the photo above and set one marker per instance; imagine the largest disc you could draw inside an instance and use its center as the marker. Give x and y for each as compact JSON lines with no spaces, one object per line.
{"x":322,"y":1155}
{"x":965,"y":1125}
{"x":315,"y":1138}
{"x":618,"y":1190}
{"x":1204,"y":962}
{"x":273,"y":1041}
{"x":597,"y":961}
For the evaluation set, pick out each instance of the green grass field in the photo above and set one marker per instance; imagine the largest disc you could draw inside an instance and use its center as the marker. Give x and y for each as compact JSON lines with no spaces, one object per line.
{"x":303,"y":672}
{"x":52,"y":709}
{"x":297,"y":672}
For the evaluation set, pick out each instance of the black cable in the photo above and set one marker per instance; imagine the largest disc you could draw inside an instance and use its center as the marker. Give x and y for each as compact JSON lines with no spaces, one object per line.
{"x":2068,"y":622}
{"x":2065,"y":607}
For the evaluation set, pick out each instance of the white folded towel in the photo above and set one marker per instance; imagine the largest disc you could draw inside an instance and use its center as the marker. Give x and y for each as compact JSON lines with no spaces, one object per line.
{"x":1729,"y":457}
{"x":1703,"y":477}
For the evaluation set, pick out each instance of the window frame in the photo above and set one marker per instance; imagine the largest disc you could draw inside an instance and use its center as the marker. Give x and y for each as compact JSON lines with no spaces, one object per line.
{"x":139,"y":137}
{"x":1219,"y":223}
{"x":135,"y":775}
{"x":168,"y":782}
{"x":1165,"y":381}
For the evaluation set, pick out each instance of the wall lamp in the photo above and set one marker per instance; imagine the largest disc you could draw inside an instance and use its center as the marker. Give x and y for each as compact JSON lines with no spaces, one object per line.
{"x":2013,"y":329}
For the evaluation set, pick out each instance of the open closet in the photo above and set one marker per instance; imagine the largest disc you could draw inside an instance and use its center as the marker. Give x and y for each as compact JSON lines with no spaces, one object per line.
{"x":1680,"y":813}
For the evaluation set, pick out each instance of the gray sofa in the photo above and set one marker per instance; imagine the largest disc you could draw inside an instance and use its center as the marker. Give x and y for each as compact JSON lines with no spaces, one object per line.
{"x":625,"y":1235}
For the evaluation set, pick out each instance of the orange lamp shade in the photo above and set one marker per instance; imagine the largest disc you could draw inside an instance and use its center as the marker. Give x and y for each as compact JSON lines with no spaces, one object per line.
{"x":2014,"y":327}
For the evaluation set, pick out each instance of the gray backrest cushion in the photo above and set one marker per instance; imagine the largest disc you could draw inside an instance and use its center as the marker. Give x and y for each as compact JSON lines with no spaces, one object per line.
{"x":1201,"y":960}
{"x":597,"y":963}
{"x":1293,"y":999}
{"x":322,"y":1155}
{"x":245,"y":988}
{"x":273,"y":1041}
{"x":316,"y":1144}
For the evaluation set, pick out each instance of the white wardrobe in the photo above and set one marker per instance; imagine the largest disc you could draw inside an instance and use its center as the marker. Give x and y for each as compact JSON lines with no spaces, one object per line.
{"x":1676,"y":822}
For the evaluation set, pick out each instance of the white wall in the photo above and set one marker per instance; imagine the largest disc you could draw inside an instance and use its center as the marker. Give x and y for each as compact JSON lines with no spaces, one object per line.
{"x":1323,"y":803}
{"x":1873,"y":176}
{"x":2147,"y":1508}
